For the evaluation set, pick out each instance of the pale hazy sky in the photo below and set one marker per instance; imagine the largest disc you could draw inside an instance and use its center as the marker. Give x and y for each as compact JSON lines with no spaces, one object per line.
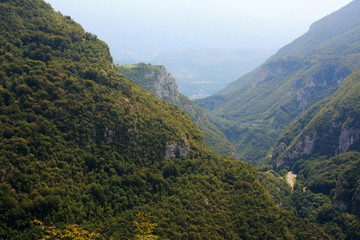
{"x":153,"y":26}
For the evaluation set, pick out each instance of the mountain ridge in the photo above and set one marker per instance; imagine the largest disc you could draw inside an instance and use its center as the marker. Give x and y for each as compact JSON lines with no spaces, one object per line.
{"x":157,"y":80}
{"x":84,"y":151}
{"x":290,"y":82}
{"x":335,"y":119}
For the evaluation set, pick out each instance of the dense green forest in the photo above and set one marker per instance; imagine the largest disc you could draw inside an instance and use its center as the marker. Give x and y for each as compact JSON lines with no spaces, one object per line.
{"x":322,"y":146}
{"x":326,"y":192}
{"x":157,"y":80}
{"x":84,"y":151}
{"x":329,"y":128}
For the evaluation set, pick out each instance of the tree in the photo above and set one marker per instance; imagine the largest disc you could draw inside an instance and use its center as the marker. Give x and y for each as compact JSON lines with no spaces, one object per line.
{"x":71,"y":232}
{"x":143,"y":227}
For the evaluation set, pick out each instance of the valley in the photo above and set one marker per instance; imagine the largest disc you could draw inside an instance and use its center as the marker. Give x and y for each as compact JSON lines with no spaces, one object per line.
{"x":94,"y":150}
{"x":304,"y":101}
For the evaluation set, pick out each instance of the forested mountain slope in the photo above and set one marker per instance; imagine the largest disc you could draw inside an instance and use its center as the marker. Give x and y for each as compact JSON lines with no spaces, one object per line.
{"x":329,"y":128}
{"x":81,"y":148}
{"x":322,"y":147}
{"x":285,"y":86}
{"x":157,"y":80}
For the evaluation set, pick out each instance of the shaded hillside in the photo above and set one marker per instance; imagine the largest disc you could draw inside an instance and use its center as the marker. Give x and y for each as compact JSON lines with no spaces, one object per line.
{"x":298,"y":76}
{"x":327,"y":192}
{"x":158,"y":81}
{"x":323,"y":146}
{"x":336,"y":177}
{"x":328,"y":129}
{"x":81,"y":148}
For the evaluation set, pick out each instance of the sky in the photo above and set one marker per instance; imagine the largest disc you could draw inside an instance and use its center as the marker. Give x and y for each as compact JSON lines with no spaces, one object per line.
{"x":143,"y":28}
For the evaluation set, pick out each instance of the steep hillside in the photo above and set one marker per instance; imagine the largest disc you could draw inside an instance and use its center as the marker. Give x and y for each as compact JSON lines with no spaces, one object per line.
{"x":327,"y":193}
{"x":298,"y":76}
{"x":329,"y":128}
{"x":336,"y":176}
{"x":322,"y":147}
{"x":158,"y":81}
{"x":83,"y":151}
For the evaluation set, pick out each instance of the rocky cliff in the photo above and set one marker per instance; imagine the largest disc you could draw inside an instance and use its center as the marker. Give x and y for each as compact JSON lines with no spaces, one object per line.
{"x":157,"y":80}
{"x":299,"y":75}
{"x":329,"y":128}
{"x":163,"y":85}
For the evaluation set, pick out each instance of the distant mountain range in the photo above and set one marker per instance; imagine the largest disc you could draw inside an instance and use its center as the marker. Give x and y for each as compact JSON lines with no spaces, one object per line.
{"x":200,"y":73}
{"x":299,"y":75}
{"x":299,"y":112}
{"x":87,"y":154}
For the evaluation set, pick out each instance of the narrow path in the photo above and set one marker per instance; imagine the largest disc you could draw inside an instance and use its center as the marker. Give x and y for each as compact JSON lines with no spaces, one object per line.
{"x":289,"y":179}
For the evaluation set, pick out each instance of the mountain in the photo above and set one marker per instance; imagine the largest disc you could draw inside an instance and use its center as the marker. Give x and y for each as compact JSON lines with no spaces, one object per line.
{"x":322,"y":146}
{"x":299,"y":75}
{"x":85,"y":153}
{"x":329,"y":128}
{"x":157,"y":80}
{"x":203,"y":72}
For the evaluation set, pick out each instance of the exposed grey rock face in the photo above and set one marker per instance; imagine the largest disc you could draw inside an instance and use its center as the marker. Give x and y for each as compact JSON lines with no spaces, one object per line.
{"x":165,"y":87}
{"x":199,"y":116}
{"x":347,"y":138}
{"x":303,"y":147}
{"x":158,"y":81}
{"x":266,"y":72}
{"x":302,"y":97}
{"x":150,"y":75}
{"x":280,"y":149}
{"x":109,"y":135}
{"x":177,"y":149}
{"x":323,"y":77}
{"x":341,"y":205}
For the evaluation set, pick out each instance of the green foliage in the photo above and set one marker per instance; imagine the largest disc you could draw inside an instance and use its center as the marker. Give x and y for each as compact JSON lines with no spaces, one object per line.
{"x":70,"y":232}
{"x":308,"y":92}
{"x":251,"y":141}
{"x":145,"y":76}
{"x":300,"y":75}
{"x":158,"y":81}
{"x":143,"y":227}
{"x":333,"y":121}
{"x":82,"y":147}
{"x":310,"y":203}
{"x":217,"y":141}
{"x":326,"y":192}
{"x":313,"y":84}
{"x":279,"y":189}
